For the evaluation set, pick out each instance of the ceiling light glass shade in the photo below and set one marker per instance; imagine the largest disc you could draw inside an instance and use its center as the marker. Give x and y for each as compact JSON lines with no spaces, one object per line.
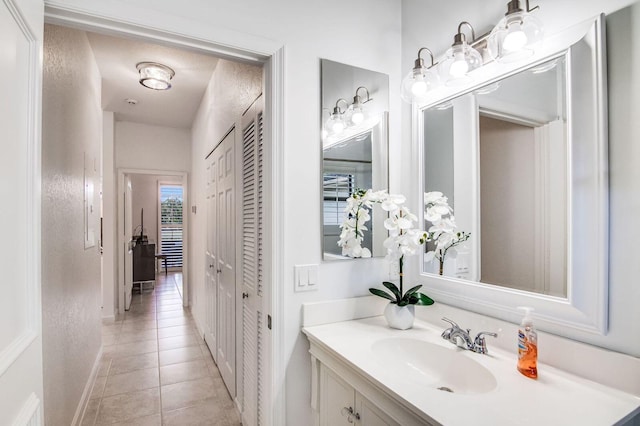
{"x":515,"y":37}
{"x":155,"y":76}
{"x":459,"y":61}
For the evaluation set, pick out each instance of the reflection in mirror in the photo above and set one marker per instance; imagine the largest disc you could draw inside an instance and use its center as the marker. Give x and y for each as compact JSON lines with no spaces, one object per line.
{"x":505,"y":145}
{"x":354,"y":152}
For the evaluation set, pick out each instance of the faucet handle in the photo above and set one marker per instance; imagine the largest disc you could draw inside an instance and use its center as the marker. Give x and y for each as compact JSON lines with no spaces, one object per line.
{"x":446,"y":334}
{"x":479,"y":344}
{"x":450,"y":322}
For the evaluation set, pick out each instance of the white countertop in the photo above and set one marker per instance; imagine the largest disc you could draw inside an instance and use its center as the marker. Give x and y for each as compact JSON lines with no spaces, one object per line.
{"x":555,"y":398}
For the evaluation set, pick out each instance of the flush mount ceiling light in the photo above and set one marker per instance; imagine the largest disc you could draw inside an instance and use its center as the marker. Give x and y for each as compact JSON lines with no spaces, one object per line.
{"x":460,"y":59}
{"x":356,"y":111}
{"x":155,"y":76}
{"x":516,"y":35}
{"x":420,"y":80}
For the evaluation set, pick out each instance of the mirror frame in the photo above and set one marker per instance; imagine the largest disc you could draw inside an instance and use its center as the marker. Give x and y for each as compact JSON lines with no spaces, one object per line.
{"x":585,"y":309}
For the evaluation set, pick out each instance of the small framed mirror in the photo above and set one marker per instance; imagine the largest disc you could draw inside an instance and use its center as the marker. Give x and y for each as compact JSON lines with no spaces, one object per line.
{"x":354,"y":142}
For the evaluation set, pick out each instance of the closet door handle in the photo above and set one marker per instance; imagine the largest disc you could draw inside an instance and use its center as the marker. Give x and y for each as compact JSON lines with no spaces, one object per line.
{"x":219,"y":271}
{"x":245,"y":295}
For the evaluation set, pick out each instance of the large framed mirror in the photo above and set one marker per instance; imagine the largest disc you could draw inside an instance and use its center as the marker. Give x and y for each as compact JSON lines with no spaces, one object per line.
{"x":354,"y":141}
{"x":522,"y":156}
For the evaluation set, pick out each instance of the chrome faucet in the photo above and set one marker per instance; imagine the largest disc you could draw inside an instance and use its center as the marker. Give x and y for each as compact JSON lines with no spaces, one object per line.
{"x":462,"y":339}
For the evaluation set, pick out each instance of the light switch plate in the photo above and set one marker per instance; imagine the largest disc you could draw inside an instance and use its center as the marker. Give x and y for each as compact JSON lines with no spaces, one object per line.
{"x":305,"y":277}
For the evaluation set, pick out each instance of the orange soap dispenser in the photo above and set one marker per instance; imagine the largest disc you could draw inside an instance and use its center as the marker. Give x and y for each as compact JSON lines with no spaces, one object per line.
{"x":527,"y":346}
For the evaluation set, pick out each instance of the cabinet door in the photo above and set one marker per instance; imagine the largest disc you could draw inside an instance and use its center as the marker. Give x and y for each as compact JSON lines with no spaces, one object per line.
{"x":370,"y":415}
{"x":336,"y":397}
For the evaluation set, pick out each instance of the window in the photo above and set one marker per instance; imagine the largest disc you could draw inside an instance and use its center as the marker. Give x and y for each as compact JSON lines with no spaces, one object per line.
{"x":337,"y":187}
{"x":171,"y":224}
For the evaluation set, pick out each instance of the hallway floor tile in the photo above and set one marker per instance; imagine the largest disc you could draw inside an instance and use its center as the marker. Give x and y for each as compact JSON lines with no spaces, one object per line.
{"x":155,"y":369}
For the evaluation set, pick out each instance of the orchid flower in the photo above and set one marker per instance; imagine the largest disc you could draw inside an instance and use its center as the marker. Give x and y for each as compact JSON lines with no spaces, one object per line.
{"x":403,"y":239}
{"x":443,"y":230}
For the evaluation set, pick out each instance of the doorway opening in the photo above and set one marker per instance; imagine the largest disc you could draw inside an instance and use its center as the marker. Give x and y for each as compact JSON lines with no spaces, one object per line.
{"x":170,"y":226}
{"x":273,"y":57}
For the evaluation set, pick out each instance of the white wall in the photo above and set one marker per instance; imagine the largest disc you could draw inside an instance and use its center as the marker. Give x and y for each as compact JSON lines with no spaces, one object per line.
{"x":143,"y":146}
{"x":72,"y":126}
{"x":434,"y":24}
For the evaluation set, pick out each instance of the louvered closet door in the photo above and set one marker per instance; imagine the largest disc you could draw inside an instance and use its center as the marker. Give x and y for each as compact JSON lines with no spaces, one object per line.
{"x":254,"y":317}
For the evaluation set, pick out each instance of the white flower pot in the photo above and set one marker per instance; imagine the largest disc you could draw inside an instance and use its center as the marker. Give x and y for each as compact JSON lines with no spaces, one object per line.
{"x":400,"y":317}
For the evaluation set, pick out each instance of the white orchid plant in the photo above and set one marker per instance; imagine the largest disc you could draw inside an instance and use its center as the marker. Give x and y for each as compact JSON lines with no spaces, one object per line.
{"x":443,"y":227}
{"x":404,"y":239}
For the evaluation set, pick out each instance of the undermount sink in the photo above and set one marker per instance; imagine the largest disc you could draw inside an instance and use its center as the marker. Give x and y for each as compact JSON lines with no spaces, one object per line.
{"x":434,"y":366}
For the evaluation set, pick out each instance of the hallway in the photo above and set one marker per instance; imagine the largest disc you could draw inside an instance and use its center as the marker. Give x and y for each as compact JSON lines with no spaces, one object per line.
{"x":155,"y":370}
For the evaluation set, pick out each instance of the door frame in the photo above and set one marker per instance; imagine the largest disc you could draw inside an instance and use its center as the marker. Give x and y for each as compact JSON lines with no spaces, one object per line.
{"x":121,"y":172}
{"x":246,"y":48}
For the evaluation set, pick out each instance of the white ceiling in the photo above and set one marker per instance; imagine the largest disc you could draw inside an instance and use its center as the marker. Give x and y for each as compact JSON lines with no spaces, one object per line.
{"x":176,"y":107}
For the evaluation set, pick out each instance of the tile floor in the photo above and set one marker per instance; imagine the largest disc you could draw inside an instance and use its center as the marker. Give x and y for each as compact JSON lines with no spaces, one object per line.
{"x":155,"y":369}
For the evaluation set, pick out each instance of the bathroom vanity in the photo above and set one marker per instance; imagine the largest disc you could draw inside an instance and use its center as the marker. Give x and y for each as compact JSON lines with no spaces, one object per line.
{"x":366,"y":373}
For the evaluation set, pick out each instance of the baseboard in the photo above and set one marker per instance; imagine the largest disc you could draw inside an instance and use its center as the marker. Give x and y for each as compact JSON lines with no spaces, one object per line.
{"x":199,"y":327}
{"x":86,"y":394}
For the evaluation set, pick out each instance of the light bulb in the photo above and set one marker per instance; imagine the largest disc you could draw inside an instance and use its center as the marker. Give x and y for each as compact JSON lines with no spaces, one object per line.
{"x":515,"y":39}
{"x":357,"y":117}
{"x":337,"y":126}
{"x":459,"y":66}
{"x":419,"y":87}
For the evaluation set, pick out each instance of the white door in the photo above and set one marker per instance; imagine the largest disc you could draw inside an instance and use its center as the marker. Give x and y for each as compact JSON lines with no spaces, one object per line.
{"x":220,"y":259}
{"x":127,"y":237}
{"x":226,"y":261}
{"x":21,"y":27}
{"x":211,"y":276}
{"x":255,"y":339}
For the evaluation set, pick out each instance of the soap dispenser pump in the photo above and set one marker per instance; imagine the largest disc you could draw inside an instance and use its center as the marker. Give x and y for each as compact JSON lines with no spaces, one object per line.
{"x":527,"y":345}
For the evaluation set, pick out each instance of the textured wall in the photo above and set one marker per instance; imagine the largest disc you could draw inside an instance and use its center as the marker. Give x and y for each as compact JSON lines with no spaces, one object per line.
{"x":72,"y":126}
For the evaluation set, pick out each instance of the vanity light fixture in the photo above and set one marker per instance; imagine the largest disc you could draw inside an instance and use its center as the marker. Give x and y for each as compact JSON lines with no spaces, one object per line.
{"x":420,"y":80}
{"x":336,"y":124}
{"x":460,"y":59}
{"x":516,"y":34}
{"x":356,"y":111}
{"x":155,"y":76}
